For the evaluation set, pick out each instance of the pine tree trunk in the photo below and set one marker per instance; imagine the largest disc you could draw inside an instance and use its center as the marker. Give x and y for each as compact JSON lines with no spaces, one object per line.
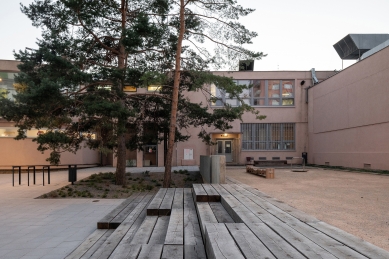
{"x":173,"y":116}
{"x":121,"y":149}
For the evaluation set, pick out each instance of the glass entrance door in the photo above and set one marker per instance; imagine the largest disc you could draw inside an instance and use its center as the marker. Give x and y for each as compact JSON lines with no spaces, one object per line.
{"x":224,"y":147}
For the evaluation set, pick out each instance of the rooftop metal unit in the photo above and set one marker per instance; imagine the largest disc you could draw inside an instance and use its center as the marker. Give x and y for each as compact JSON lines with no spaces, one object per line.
{"x":246,"y":65}
{"x":354,"y":45}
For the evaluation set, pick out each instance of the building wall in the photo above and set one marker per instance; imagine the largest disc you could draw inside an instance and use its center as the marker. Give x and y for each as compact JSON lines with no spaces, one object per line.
{"x":348,"y":116}
{"x":297,"y":114}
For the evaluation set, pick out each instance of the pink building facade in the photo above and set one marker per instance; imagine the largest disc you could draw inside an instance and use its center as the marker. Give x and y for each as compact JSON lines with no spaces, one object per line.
{"x":348,"y":119}
{"x":341,"y":121}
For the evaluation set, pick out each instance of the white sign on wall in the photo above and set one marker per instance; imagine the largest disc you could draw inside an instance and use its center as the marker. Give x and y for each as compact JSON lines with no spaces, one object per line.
{"x":188,"y":154}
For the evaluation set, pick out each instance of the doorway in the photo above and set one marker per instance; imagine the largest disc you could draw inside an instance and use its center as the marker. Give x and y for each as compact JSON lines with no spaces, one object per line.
{"x":224,"y":147}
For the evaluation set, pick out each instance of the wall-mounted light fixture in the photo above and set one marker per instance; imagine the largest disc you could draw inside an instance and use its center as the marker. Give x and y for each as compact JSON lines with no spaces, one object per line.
{"x":225,"y":134}
{"x":1,"y":79}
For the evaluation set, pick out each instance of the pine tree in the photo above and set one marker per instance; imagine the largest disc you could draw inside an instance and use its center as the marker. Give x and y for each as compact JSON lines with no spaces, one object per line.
{"x":91,"y":49}
{"x":197,"y":21}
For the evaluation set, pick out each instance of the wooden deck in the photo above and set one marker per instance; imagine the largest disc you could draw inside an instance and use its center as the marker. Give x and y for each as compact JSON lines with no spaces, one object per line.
{"x":217,"y":221}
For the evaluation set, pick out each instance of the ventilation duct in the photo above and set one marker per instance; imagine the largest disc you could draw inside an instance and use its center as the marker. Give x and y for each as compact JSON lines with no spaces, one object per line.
{"x":354,"y":45}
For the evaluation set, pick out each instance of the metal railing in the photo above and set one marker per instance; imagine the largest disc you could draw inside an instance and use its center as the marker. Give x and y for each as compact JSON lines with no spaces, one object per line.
{"x":45,"y":169}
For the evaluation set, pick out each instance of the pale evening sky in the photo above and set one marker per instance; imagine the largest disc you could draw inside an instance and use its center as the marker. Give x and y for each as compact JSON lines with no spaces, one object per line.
{"x":296,"y":35}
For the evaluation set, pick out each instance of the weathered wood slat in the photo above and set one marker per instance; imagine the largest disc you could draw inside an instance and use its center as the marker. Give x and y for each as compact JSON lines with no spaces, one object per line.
{"x":88,"y":243}
{"x":355,"y":243}
{"x":143,"y":234}
{"x":236,"y":209}
{"x":199,"y":194}
{"x":194,"y":252}
{"x":331,"y":245}
{"x":220,"y":212}
{"x":276,"y":244}
{"x":132,"y":251}
{"x":104,"y":223}
{"x":110,"y":244}
{"x":166,"y":204}
{"x":153,"y":208}
{"x":213,"y":195}
{"x":96,"y":246}
{"x":192,"y":232}
{"x":219,"y":243}
{"x":302,"y":216}
{"x":173,"y":251}
{"x":306,"y":246}
{"x":121,"y":249}
{"x":248,"y":243}
{"x":150,"y":252}
{"x":160,"y":229}
{"x":205,"y":214}
{"x":175,"y":230}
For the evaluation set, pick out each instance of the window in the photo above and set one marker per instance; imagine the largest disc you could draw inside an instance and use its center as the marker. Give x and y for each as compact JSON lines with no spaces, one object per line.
{"x":7,"y":88}
{"x":259,"y":93}
{"x":154,"y":88}
{"x":129,"y":88}
{"x":268,"y":136}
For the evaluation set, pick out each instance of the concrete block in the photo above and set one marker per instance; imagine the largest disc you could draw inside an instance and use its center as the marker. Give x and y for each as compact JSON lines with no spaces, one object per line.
{"x":205,"y":168}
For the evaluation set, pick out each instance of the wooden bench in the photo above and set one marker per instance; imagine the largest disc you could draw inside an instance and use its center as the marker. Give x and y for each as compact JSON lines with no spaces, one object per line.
{"x":264,"y":172}
{"x":242,"y":223}
{"x":113,"y":219}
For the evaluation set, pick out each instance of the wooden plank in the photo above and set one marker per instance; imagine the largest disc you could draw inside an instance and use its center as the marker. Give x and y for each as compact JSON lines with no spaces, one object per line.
{"x":213,"y":195}
{"x":120,"y":217}
{"x":121,"y":249}
{"x":160,"y":229}
{"x":355,"y":243}
{"x":104,"y":223}
{"x":153,"y":208}
{"x":143,"y":234}
{"x":235,"y":208}
{"x":194,"y":252}
{"x":110,"y":244}
{"x":192,"y":232}
{"x":205,"y":215}
{"x":302,"y":216}
{"x":331,"y":245}
{"x":132,"y":251}
{"x":199,"y":194}
{"x":166,"y":205}
{"x":220,"y":212}
{"x":274,"y":243}
{"x":173,"y":251}
{"x":175,"y":230}
{"x":96,"y":245}
{"x":178,"y":200}
{"x":303,"y":244}
{"x":88,"y":243}
{"x":150,"y":252}
{"x":248,"y":243}
{"x":219,"y":243}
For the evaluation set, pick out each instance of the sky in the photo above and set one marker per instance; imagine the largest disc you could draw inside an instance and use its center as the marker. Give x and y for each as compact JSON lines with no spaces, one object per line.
{"x":295,"y":35}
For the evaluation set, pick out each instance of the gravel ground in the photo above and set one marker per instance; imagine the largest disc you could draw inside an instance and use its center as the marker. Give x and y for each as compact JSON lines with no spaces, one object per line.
{"x":355,"y":202}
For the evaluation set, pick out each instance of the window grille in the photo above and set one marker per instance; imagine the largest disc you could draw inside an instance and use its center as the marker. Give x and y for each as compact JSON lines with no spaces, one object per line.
{"x":268,"y":136}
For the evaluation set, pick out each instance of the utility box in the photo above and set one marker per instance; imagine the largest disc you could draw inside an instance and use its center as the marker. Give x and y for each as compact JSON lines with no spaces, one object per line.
{"x":72,"y":174}
{"x":305,"y":156}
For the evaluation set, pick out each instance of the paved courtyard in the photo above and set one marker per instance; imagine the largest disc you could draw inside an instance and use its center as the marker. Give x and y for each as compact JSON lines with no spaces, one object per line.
{"x":355,"y":202}
{"x":49,"y":228}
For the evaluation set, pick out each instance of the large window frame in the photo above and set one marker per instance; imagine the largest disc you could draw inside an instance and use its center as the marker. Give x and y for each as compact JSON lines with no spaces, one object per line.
{"x":268,"y":136}
{"x":266,"y":93}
